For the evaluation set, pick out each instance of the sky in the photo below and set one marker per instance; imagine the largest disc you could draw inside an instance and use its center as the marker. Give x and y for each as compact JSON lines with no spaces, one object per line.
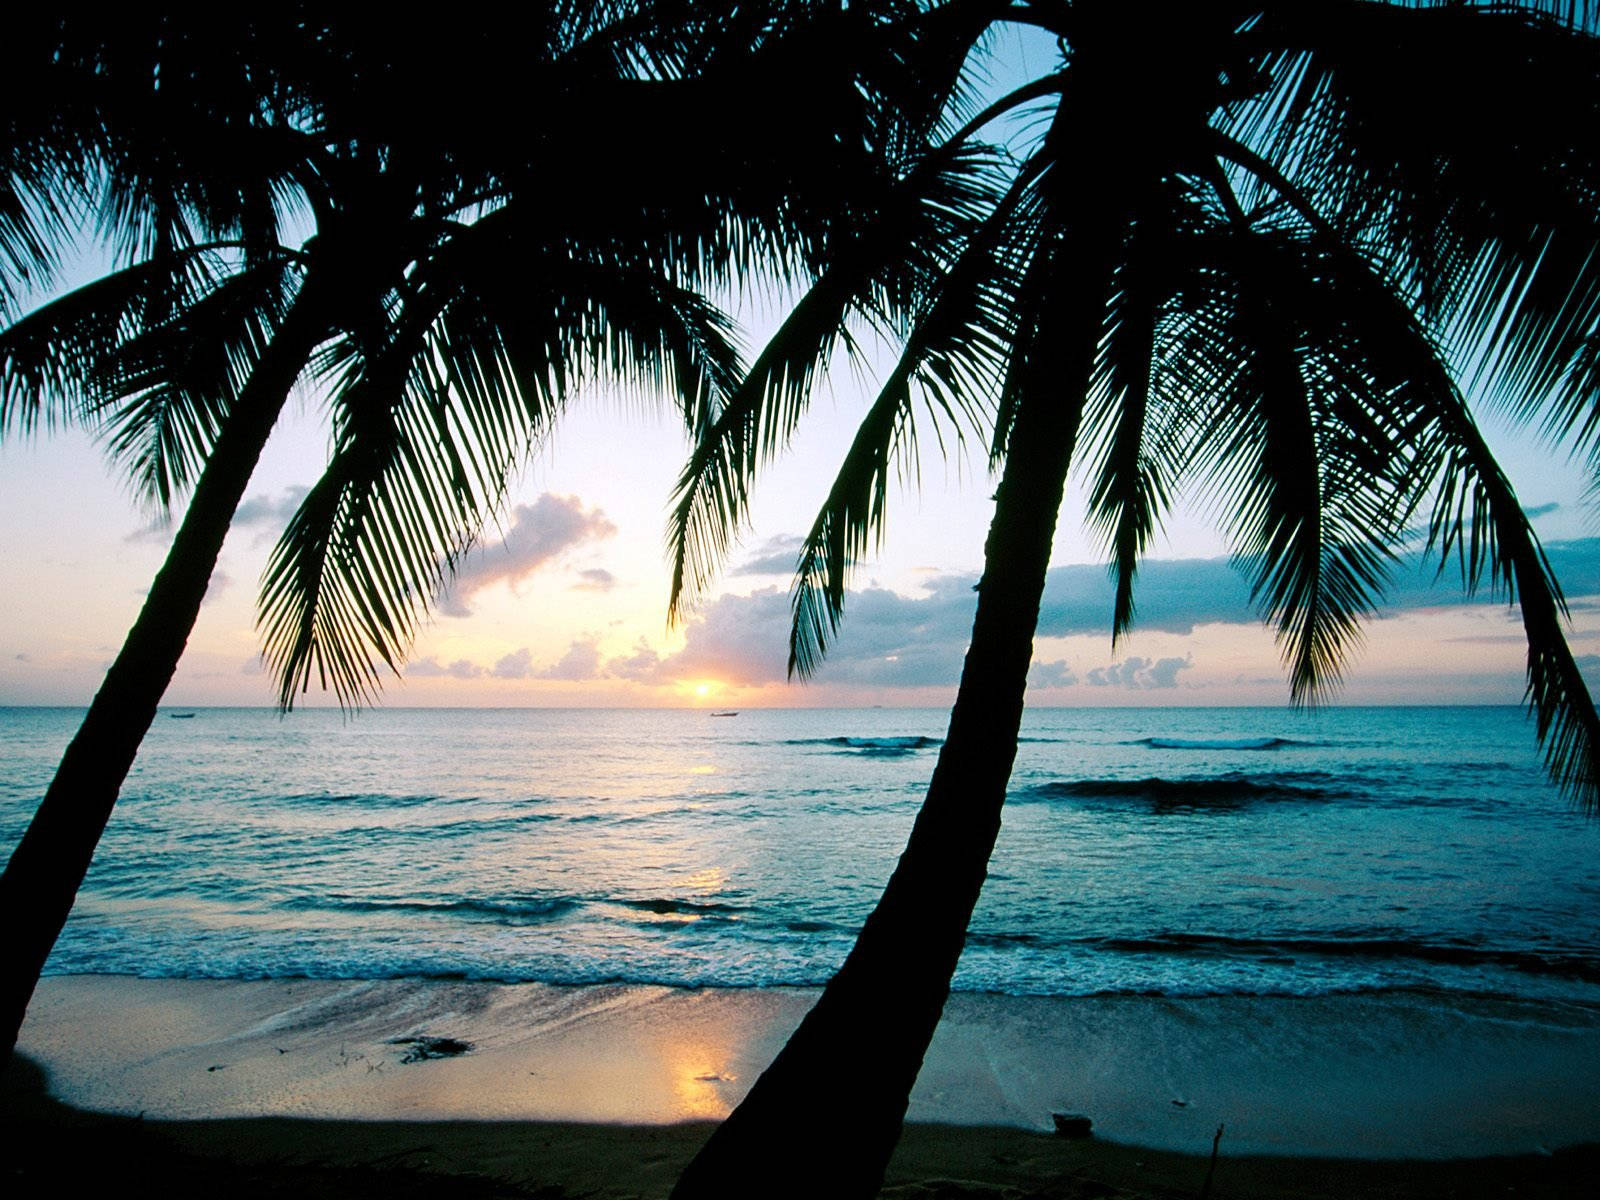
{"x":564,"y":600}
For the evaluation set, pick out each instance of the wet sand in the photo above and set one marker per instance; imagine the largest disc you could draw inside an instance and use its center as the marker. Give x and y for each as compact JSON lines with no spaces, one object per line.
{"x":607,"y":1090}
{"x":1393,"y":1075}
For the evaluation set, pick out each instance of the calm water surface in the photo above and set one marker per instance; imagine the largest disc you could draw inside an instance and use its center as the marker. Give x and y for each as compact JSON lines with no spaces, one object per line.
{"x":1181,"y":851}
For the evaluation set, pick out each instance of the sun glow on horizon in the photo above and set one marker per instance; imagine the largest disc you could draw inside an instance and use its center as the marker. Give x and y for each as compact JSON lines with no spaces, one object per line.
{"x":701,"y":691}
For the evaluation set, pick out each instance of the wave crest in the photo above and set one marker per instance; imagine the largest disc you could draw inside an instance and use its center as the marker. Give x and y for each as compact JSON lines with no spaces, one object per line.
{"x":1219,"y":791}
{"x":1376,"y":946}
{"x":884,"y":747}
{"x":523,"y":911}
{"x":664,"y":905}
{"x":1253,"y":743}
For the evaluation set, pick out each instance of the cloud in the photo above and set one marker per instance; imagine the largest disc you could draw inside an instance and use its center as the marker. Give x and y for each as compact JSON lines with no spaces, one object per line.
{"x":270,"y":510}
{"x":1177,"y":595}
{"x":219,"y":582}
{"x":1164,"y":674}
{"x":516,"y":665}
{"x":540,"y":533}
{"x":595,"y":580}
{"x":642,"y":666}
{"x":894,"y":640}
{"x":775,"y":556}
{"x":158,"y":532}
{"x":430,"y":667}
{"x":1137,"y":673}
{"x":1170,"y":596}
{"x":888,"y":640}
{"x":266,"y":512}
{"x":580,"y":662}
{"x":1051,"y":675}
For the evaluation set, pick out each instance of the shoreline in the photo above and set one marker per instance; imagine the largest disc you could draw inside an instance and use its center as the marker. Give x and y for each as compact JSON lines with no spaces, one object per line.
{"x":1353,"y":1076}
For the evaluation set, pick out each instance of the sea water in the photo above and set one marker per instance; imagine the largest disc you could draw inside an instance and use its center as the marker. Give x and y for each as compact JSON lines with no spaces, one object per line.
{"x":1167,"y":851}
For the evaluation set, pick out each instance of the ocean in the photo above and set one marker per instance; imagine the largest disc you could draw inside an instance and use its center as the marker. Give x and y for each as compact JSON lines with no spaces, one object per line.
{"x":1179,"y":852}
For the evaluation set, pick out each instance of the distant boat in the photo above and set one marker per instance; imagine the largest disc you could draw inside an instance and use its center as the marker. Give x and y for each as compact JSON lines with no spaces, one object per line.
{"x":180,"y":716}
{"x":725,"y":714}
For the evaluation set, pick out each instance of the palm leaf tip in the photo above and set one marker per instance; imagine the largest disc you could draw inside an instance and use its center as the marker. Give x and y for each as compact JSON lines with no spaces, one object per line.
{"x":1568,"y":728}
{"x":1557,"y":695}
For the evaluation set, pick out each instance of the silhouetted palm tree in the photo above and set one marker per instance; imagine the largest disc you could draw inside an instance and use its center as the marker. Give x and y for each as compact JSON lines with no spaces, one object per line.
{"x":1250,"y":252}
{"x":463,"y":276}
{"x":161,"y":138}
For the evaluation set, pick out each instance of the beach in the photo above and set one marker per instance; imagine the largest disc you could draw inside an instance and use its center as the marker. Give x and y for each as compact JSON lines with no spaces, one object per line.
{"x":608,"y":1090}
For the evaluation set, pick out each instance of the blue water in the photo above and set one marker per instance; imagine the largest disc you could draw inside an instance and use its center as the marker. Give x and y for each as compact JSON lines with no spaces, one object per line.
{"x":1180,"y":851}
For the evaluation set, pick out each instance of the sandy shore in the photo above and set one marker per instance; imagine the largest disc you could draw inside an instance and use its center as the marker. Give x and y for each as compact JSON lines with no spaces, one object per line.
{"x":605,"y":1091}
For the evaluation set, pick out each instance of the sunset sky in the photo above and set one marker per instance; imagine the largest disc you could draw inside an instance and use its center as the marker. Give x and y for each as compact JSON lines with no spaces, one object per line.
{"x":565,"y":603}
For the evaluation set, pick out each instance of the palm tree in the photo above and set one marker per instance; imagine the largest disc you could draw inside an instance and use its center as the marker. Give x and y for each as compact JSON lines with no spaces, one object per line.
{"x":454,"y":291}
{"x":1251,"y":252}
{"x":195,"y":335}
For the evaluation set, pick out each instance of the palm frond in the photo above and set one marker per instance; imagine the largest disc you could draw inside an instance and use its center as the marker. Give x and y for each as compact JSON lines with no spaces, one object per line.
{"x":852,"y":515}
{"x":56,"y":361}
{"x":931,"y":212}
{"x":189,"y":138}
{"x":1485,"y":231}
{"x":359,"y":561}
{"x":33,"y":226}
{"x":1491,"y":221}
{"x":168,"y":388}
{"x":1131,"y":433}
{"x":1478,"y":516}
{"x":1391,"y":434}
{"x":1477,"y":521}
{"x":1301,"y":436}
{"x":953,"y":358}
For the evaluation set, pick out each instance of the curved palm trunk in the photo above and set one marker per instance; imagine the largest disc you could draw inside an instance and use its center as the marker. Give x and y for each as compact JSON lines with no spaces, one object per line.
{"x":800,"y":1126}
{"x":42,"y":879}
{"x":873,"y":1023}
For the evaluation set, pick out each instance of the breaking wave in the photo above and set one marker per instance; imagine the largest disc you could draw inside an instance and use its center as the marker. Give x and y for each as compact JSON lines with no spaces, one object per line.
{"x":1257,"y":743}
{"x":1213,"y":791}
{"x":883,"y":747}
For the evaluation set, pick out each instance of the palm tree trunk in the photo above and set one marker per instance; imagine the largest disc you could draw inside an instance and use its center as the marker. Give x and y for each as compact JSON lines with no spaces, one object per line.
{"x":46,"y":869}
{"x":823,"y":1119}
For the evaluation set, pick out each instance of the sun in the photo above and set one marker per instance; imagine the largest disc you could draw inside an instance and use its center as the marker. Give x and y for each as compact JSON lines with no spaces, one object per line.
{"x":699,"y":691}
